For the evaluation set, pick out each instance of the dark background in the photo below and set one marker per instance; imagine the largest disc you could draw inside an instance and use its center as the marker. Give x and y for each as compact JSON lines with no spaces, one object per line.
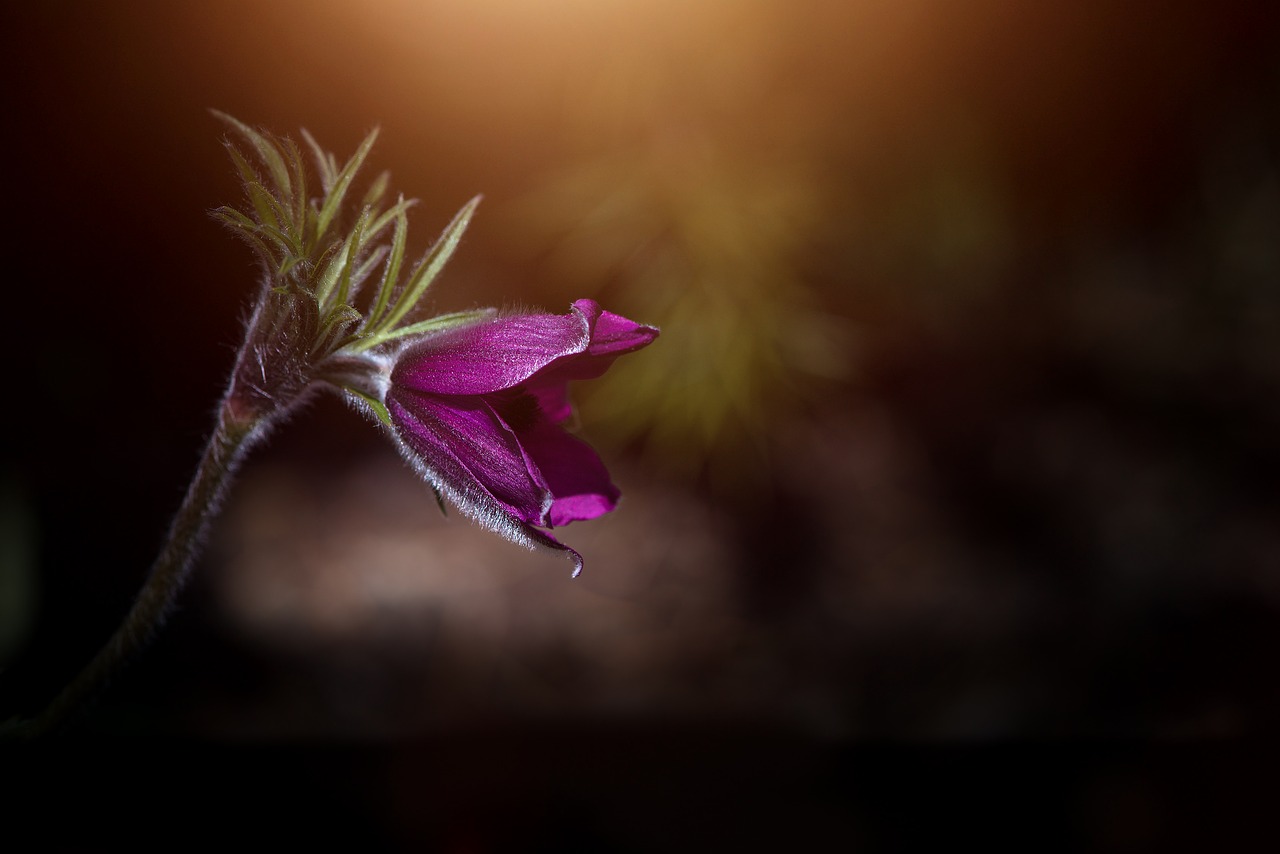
{"x":957,"y":456}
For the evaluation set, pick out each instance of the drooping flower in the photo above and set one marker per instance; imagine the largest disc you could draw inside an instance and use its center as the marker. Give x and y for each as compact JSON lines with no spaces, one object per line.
{"x":474,"y":401}
{"x":478,"y":409}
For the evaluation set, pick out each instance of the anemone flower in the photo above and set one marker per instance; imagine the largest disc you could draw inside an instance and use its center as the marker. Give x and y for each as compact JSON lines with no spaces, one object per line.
{"x":475,"y":401}
{"x":478,"y":411}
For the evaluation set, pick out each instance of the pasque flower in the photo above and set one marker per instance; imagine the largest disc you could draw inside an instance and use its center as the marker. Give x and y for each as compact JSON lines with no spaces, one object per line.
{"x":478,"y":409}
{"x":474,"y":400}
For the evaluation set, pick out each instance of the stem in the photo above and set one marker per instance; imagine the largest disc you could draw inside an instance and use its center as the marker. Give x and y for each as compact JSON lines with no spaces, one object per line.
{"x":236,"y":433}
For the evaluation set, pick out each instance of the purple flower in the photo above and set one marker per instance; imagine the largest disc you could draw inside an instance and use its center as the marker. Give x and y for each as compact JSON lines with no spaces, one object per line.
{"x":478,"y":411}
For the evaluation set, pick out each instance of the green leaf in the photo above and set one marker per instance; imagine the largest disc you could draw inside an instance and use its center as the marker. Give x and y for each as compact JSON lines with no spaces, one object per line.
{"x":334,"y":197}
{"x":367,"y":267}
{"x":285,"y":241}
{"x":379,"y":408}
{"x":378,"y":189}
{"x":264,"y":204}
{"x":247,"y":173}
{"x":389,"y":215}
{"x":300,"y":200}
{"x":335,"y":324}
{"x":441,"y":323}
{"x":287,"y":265}
{"x":326,"y":165}
{"x":336,"y":259}
{"x":394,"y":260}
{"x":431,"y":265}
{"x":247,"y":230}
{"x":355,"y":242}
{"x":267,"y":151}
{"x":235,"y":218}
{"x":435,"y":324}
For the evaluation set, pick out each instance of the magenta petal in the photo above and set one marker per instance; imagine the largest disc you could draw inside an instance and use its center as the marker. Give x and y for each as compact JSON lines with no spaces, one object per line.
{"x":491,"y":356}
{"x":533,"y":348}
{"x":579,"y":483}
{"x":471,"y":448}
{"x":477,"y":410}
{"x":612,"y":334}
{"x":480,"y":475}
{"x":553,"y":401}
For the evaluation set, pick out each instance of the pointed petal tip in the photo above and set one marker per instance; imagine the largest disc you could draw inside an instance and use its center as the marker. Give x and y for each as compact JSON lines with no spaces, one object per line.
{"x":586,"y":306}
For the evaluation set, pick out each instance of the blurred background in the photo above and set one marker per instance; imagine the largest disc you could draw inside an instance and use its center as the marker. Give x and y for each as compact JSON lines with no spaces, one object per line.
{"x":962,"y":426}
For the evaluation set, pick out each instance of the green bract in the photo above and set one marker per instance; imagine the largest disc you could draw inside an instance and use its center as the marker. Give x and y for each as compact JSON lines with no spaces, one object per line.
{"x":316,"y":260}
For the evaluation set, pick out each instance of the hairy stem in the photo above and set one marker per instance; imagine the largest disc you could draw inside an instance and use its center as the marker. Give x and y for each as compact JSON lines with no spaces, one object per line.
{"x":238,"y":430}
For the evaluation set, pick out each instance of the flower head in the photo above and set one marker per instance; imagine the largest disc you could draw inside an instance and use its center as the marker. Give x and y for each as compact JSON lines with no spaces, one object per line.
{"x":474,"y":401}
{"x":478,"y":409}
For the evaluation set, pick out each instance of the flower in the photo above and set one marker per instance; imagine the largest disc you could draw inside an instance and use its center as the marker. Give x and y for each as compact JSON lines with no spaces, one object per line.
{"x":478,"y":409}
{"x":473,"y":400}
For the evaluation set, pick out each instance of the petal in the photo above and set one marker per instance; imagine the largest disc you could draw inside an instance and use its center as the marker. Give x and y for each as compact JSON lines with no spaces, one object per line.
{"x":579,"y":483}
{"x":613,"y":334}
{"x":491,"y":356}
{"x":505,"y":352}
{"x":470,"y":447}
{"x":427,"y":433}
{"x":553,"y":401}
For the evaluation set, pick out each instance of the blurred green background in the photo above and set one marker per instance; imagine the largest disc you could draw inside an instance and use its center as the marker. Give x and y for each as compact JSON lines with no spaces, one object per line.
{"x":962,"y":426}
